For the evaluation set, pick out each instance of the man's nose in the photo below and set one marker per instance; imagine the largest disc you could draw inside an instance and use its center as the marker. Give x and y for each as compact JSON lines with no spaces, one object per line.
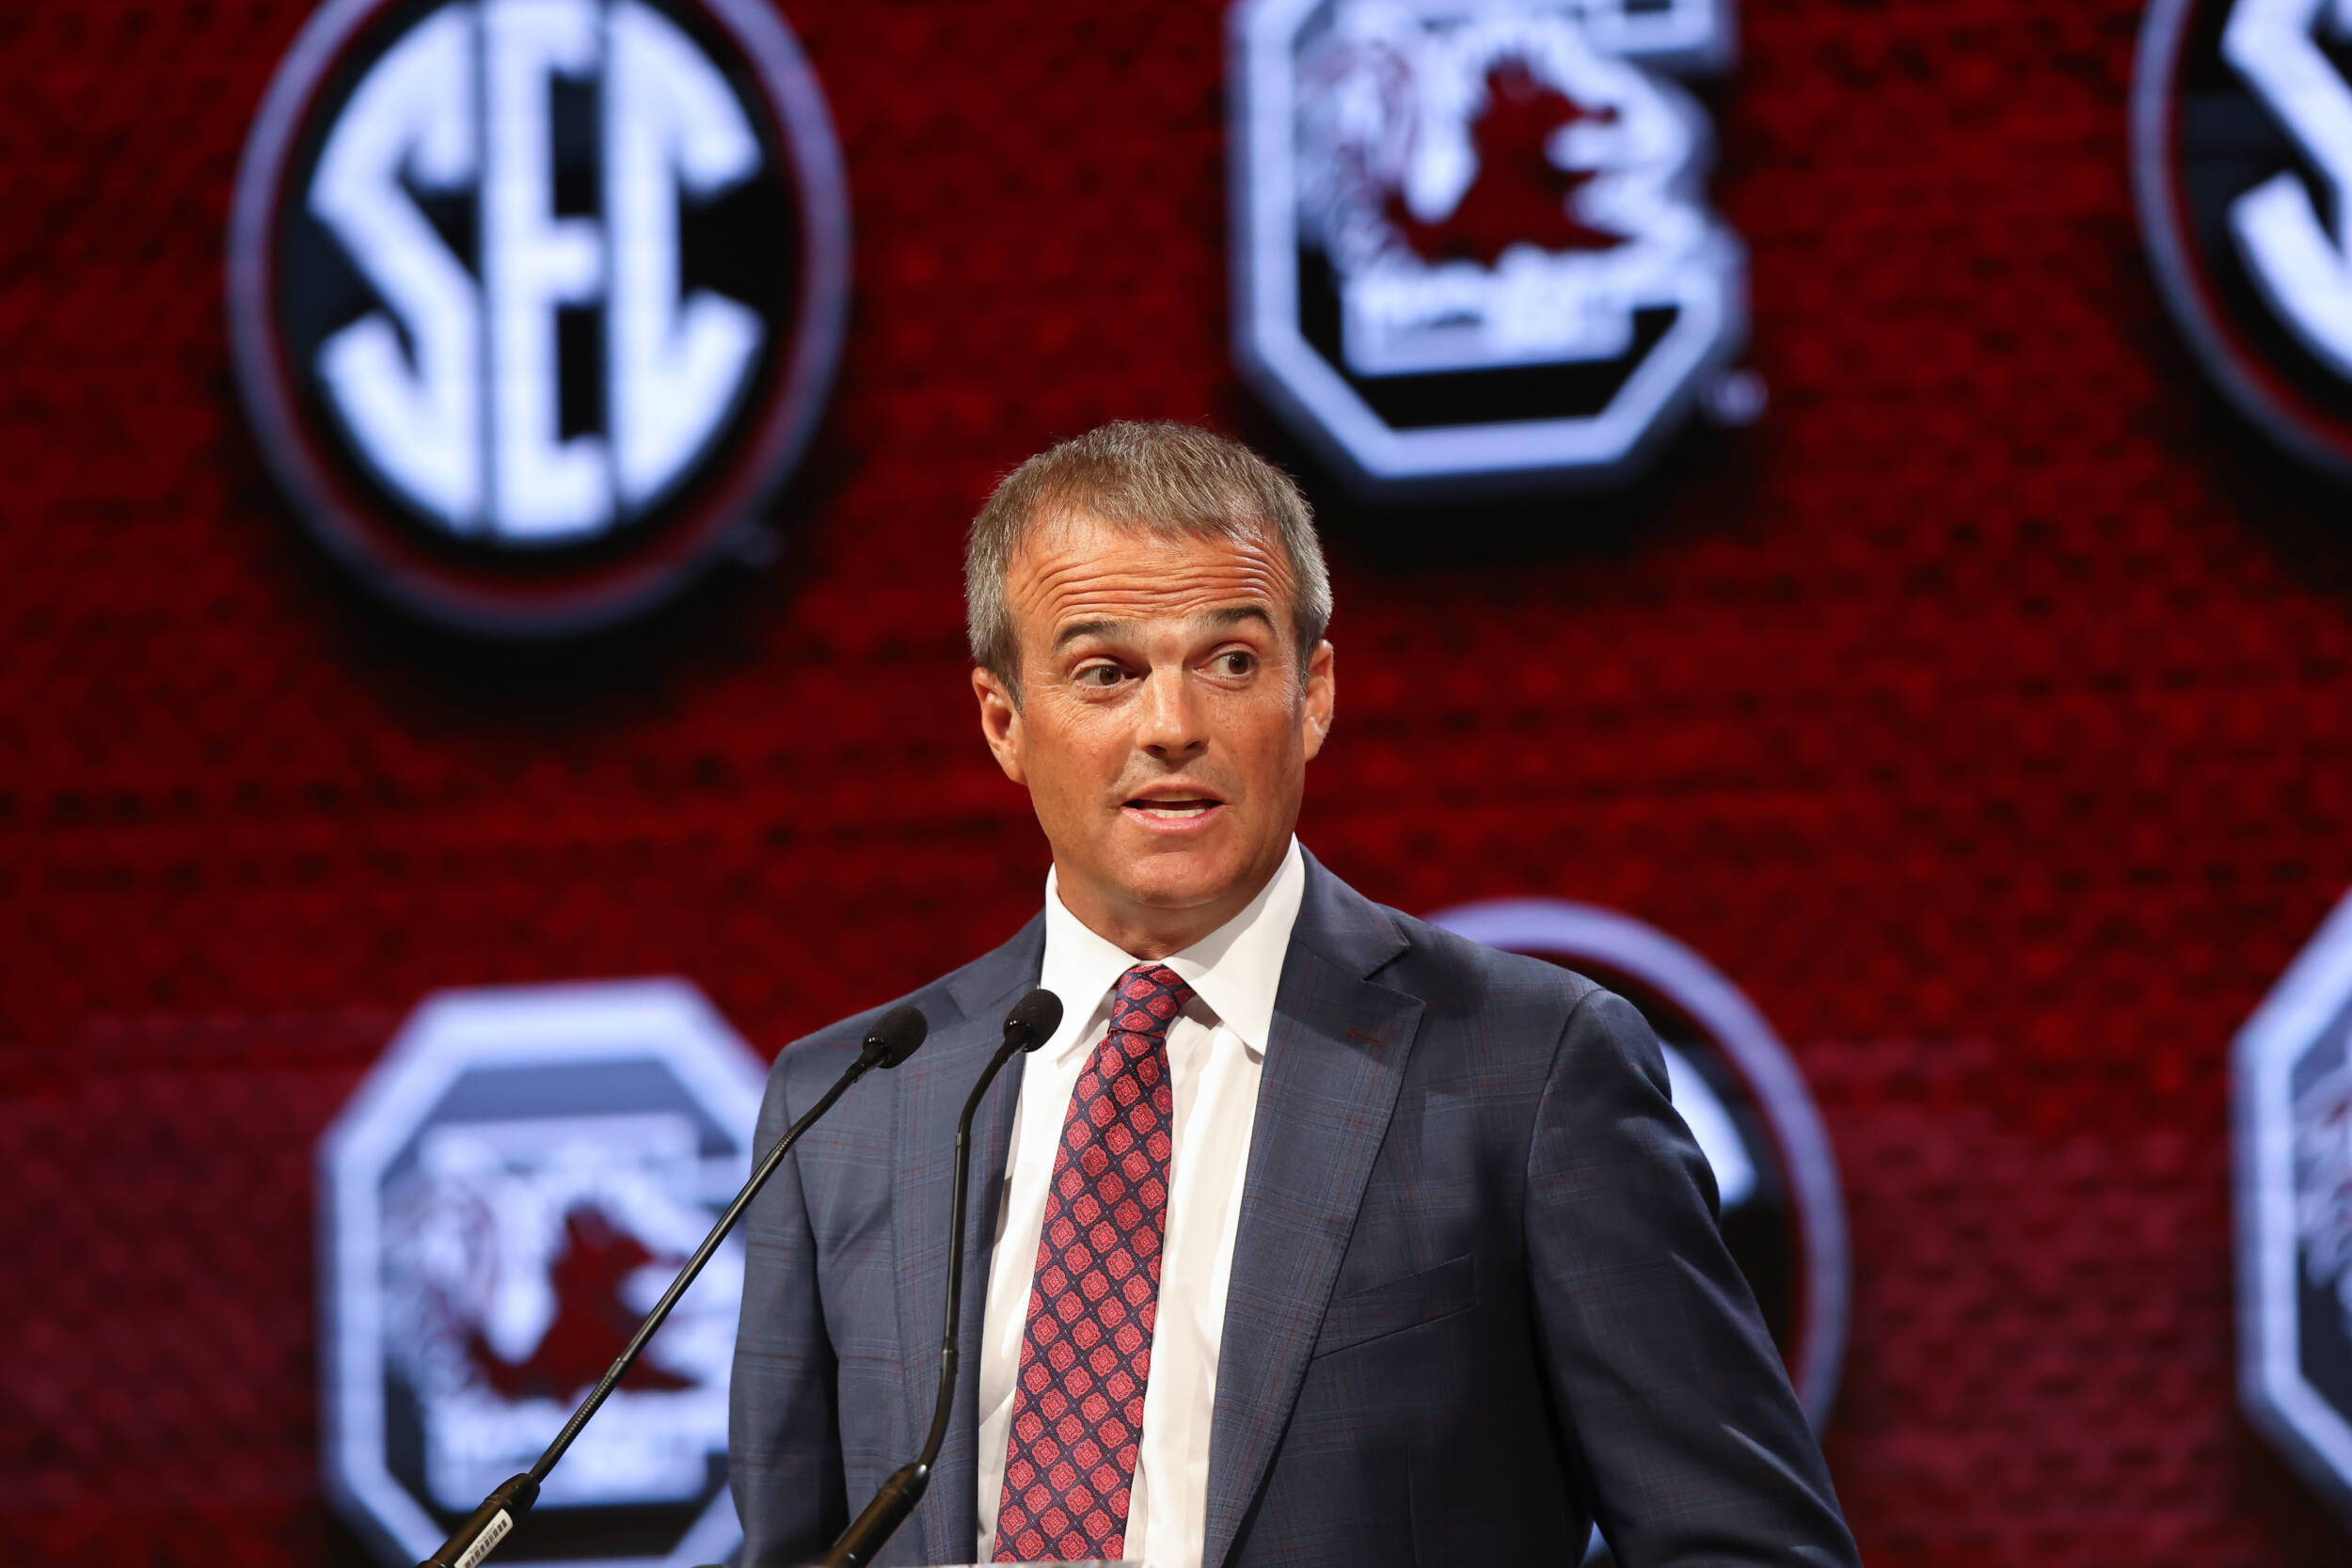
{"x":1174,"y":725}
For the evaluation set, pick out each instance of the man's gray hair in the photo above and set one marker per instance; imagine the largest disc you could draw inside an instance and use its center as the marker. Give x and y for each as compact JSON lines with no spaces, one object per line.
{"x":1171,"y":481}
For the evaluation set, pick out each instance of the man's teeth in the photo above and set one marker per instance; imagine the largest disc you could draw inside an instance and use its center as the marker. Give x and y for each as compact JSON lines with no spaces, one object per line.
{"x":1175,"y":808}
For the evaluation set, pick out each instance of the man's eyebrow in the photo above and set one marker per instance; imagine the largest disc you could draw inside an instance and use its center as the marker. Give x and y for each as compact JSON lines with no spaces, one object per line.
{"x":1098,"y":628}
{"x":1234,"y":615}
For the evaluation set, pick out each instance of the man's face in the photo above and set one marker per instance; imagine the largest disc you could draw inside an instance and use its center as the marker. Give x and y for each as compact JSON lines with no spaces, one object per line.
{"x":1163,"y":729}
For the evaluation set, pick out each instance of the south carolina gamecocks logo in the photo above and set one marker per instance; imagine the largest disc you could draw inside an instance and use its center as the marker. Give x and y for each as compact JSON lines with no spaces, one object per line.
{"x":500,"y":1203}
{"x":1472,"y":241}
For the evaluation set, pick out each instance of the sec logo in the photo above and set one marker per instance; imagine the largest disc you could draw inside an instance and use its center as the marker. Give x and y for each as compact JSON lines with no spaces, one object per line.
{"x":1472,"y":248}
{"x":500,"y":1203}
{"x":2242,"y":147}
{"x":534,"y":302}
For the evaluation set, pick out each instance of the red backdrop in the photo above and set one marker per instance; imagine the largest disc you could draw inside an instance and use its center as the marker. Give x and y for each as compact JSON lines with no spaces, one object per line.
{"x":1979,"y":712}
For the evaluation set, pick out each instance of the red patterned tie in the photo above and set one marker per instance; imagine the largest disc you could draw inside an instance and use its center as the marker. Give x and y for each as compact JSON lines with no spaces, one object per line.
{"x":1078,"y":1404}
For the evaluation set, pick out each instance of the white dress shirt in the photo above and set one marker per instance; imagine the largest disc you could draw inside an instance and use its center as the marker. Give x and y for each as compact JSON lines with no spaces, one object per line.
{"x":1216,"y":1051}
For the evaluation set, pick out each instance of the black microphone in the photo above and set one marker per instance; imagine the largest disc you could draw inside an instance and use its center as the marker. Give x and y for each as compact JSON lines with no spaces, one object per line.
{"x":1030,"y":1024}
{"x":892,"y":1040}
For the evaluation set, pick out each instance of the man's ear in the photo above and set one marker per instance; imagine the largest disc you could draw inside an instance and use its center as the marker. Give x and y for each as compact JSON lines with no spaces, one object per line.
{"x":1000,"y":723}
{"x":1322,"y":693}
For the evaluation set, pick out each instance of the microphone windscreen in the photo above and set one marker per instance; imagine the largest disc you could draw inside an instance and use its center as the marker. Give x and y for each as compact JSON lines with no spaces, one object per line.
{"x":1033,"y":1019}
{"x":897,"y":1034}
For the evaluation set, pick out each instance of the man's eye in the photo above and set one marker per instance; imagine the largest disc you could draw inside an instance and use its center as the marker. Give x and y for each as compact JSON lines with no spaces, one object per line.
{"x":1237,"y":662}
{"x":1098,"y":675}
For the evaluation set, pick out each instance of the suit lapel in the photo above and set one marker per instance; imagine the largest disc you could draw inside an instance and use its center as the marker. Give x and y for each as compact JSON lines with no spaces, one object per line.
{"x":1333,"y":1069}
{"x":932,"y":1091}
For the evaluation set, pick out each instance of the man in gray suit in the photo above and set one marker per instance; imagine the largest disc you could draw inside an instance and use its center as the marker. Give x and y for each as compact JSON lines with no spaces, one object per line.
{"x":1314,"y":1235}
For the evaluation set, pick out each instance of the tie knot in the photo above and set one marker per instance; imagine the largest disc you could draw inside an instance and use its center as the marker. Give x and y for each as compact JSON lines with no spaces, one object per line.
{"x":1149,"y":997}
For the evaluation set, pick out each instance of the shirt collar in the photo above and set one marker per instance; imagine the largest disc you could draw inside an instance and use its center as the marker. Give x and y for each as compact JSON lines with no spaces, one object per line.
{"x":1235,"y":970}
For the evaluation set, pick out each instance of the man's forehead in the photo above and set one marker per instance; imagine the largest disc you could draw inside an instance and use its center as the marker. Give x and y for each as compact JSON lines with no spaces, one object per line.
{"x":1073,"y":530}
{"x":1082,"y":568}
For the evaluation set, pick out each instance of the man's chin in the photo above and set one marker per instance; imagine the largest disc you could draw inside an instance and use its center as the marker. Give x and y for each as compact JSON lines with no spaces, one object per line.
{"x":1188,"y":876}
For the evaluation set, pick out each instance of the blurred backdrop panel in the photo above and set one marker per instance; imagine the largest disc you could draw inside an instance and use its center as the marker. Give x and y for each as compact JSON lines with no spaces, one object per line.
{"x":1849,"y":498}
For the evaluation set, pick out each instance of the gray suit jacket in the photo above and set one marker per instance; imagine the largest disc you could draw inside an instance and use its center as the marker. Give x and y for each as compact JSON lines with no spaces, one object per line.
{"x":1478,"y":1297}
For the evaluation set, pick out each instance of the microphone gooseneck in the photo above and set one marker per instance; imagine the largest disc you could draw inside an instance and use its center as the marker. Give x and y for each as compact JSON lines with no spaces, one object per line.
{"x":893,"y":1038}
{"x":1030,"y":1025}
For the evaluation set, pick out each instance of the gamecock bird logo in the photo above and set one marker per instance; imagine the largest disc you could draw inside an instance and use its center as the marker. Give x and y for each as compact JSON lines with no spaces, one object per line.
{"x":1473,"y":239}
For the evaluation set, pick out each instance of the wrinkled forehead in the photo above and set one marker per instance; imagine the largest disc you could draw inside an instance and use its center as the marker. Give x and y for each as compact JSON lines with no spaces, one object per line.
{"x":1074,"y":567}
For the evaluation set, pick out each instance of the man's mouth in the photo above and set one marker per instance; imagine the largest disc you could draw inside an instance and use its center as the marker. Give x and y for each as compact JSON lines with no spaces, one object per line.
{"x":1178,"y":807}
